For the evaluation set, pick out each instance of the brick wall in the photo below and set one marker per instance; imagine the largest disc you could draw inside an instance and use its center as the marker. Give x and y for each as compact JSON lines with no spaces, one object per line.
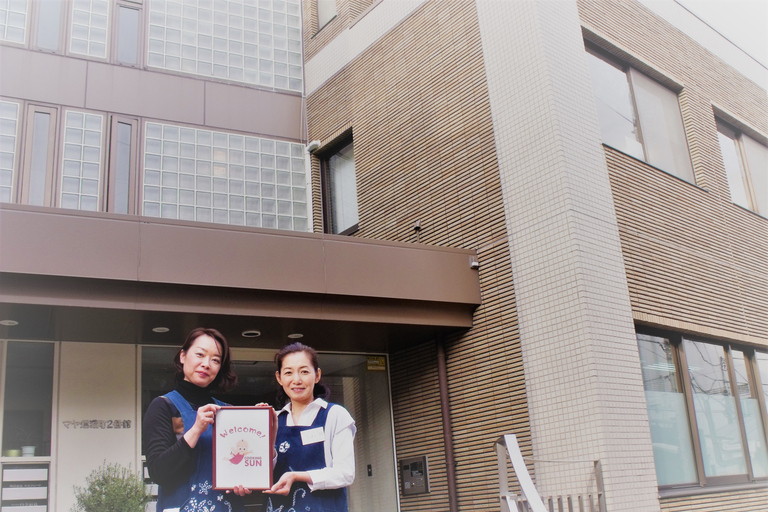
{"x":417,"y":103}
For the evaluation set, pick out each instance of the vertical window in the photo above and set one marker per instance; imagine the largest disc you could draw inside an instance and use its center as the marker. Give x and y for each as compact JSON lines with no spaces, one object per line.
{"x":709,"y":397}
{"x":37,"y":185}
{"x":670,"y":433}
{"x":257,"y":44}
{"x":207,"y":176}
{"x":341,"y":191}
{"x":326,"y":11}
{"x":122,"y":166}
{"x":746,"y":168}
{"x":28,"y":400}
{"x":9,"y":123}
{"x":81,"y":167}
{"x":127,"y":41}
{"x":13,"y":20}
{"x":639,"y":116}
{"x":89,"y":28}
{"x":48,"y":24}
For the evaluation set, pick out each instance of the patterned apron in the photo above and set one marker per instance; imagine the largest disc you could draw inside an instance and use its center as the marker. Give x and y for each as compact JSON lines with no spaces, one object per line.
{"x":294,"y":455}
{"x":198,"y":495}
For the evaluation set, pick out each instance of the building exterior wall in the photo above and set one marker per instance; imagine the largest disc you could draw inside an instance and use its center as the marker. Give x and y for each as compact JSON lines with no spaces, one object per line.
{"x":417,"y":105}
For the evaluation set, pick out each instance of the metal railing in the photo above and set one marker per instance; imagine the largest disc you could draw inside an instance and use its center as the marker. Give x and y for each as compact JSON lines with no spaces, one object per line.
{"x":529,"y":499}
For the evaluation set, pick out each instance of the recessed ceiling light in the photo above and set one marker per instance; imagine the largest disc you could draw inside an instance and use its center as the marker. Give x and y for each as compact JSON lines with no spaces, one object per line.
{"x":9,"y":323}
{"x":251,"y":334}
{"x":160,"y":329}
{"x":295,"y":335}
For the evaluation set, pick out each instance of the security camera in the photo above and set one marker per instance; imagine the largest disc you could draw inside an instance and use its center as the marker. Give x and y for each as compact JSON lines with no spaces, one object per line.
{"x":313,"y":145}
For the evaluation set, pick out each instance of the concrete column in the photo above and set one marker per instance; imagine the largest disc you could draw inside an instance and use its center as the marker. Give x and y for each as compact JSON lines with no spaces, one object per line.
{"x":582,"y":370}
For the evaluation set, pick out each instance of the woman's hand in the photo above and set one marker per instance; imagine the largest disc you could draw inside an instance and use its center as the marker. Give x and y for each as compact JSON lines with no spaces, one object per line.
{"x":240,"y":490}
{"x":283,"y":486}
{"x":205,"y":417}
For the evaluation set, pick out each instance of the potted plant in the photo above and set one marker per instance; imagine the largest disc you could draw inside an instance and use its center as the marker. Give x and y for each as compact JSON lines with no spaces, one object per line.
{"x":112,"y":488}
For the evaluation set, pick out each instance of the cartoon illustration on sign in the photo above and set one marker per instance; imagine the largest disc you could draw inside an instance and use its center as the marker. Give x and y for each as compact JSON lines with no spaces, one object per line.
{"x":239,"y":451}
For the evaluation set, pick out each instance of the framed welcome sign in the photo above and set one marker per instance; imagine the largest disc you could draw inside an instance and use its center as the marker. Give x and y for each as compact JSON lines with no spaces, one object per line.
{"x":242,"y":453}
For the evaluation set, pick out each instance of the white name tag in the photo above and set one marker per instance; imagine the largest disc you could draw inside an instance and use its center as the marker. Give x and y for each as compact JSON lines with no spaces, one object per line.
{"x":315,"y":435}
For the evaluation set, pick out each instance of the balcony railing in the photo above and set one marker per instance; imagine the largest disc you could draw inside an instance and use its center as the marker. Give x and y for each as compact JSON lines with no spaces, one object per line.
{"x":529,"y":499}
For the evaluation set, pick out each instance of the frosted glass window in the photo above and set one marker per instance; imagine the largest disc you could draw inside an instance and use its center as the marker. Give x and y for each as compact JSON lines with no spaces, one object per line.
{"x":207,"y":176}
{"x":122,"y":168}
{"x":753,"y":421}
{"x":640,"y":117}
{"x":81,"y":167}
{"x":715,"y":406}
{"x":343,"y":189}
{"x":661,"y":125}
{"x":670,"y":429}
{"x":13,"y":20}
{"x":89,"y":27}
{"x":729,"y":148}
{"x":127,"y":35}
{"x":38,"y":167}
{"x":762,"y":365}
{"x":48,"y":24}
{"x":9,"y":127}
{"x":326,"y":10}
{"x":757,"y":164}
{"x":246,"y":41}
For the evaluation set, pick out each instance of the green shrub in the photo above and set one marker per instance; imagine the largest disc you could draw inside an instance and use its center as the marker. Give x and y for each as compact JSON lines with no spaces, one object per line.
{"x":112,"y":488}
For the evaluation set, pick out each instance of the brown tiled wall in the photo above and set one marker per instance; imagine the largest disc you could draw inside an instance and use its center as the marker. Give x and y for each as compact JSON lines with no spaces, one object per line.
{"x":694,"y":260}
{"x":347,"y":13}
{"x":424,"y":149}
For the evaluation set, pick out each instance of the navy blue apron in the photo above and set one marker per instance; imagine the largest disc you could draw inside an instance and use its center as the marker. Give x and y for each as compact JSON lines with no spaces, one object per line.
{"x":198,"y":495}
{"x":293,"y":455}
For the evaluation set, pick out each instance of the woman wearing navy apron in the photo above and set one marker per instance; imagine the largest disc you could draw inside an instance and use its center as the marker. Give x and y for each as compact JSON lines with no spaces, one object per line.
{"x":178,"y":428}
{"x":315,"y":451}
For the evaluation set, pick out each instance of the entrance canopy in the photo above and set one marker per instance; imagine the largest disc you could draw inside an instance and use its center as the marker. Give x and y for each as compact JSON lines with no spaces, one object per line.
{"x":78,"y":276}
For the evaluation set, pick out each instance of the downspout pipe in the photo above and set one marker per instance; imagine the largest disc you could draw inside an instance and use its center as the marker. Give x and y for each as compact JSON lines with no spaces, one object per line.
{"x":445,"y":411}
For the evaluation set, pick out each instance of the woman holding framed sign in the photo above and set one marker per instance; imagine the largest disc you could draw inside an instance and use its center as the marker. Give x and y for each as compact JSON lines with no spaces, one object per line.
{"x":315,"y":449}
{"x":178,"y":428}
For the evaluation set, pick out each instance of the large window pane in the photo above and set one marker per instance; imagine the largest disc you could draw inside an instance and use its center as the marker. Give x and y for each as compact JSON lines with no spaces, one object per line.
{"x":122,"y":169}
{"x":662,"y":127}
{"x":89,"y":28}
{"x":127,"y":35}
{"x":49,"y":24}
{"x":28,"y":399}
{"x":13,"y":20}
{"x":715,"y":407}
{"x":670,"y":431}
{"x":326,"y":10}
{"x":343,"y":189}
{"x":729,"y":148}
{"x":38,"y":169}
{"x":757,"y":162}
{"x":753,"y":421}
{"x":615,"y":110}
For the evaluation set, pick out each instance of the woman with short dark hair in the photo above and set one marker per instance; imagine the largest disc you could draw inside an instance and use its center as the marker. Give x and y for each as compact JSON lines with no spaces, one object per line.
{"x":178,"y":428}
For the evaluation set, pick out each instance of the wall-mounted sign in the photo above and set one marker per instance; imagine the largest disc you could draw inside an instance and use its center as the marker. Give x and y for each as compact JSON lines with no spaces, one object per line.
{"x":414,"y":475}
{"x":96,"y":424}
{"x":376,"y":363}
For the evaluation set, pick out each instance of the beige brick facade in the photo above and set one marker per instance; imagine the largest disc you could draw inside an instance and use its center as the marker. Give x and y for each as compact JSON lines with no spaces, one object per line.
{"x":578,"y":239}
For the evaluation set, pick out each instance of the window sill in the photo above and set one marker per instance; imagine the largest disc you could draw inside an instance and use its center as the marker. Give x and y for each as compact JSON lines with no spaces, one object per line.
{"x":698,"y":491}
{"x":656,"y":168}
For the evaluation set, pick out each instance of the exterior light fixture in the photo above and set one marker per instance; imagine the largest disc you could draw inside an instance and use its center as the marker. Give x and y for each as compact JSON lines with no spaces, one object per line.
{"x":296,"y":336}
{"x":9,"y":323}
{"x":160,"y":329}
{"x":251,"y":334}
